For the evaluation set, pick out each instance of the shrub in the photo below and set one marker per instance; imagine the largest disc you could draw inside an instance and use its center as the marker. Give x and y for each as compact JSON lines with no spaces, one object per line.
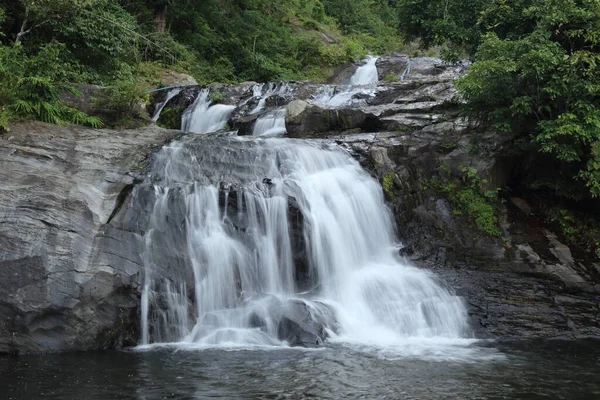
{"x":467,"y":197}
{"x":32,"y":85}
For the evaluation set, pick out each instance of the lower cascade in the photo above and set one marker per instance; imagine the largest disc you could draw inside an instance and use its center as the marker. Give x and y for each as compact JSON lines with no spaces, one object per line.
{"x":278,"y":242}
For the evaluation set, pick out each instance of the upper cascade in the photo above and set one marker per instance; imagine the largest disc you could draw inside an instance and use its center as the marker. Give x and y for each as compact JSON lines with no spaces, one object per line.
{"x":202,"y":117}
{"x":275,"y":241}
{"x":366,"y":74}
{"x":359,"y":102}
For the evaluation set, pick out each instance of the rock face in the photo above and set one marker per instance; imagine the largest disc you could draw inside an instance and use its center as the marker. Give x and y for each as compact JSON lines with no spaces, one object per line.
{"x":68,"y":275}
{"x":70,"y":258}
{"x":174,"y":78}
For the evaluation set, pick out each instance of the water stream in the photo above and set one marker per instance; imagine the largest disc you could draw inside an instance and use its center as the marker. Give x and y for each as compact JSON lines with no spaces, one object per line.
{"x":202,"y":117}
{"x":249,"y":206}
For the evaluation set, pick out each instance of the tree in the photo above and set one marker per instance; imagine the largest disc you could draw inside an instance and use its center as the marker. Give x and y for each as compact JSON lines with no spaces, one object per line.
{"x":449,"y":22}
{"x":542,"y":82}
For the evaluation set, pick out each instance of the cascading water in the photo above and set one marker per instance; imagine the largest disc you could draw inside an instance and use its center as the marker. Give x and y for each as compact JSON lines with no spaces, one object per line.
{"x":366,"y":74}
{"x":250,"y":240}
{"x":202,"y":117}
{"x":361,"y":84}
{"x":264,"y":91}
{"x":270,"y":124}
{"x":160,"y":106}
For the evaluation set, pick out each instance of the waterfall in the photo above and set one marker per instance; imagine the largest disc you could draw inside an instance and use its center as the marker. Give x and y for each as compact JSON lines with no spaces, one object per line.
{"x":244,"y":233}
{"x":263,"y":94}
{"x":406,"y":70}
{"x":160,"y":106}
{"x":366,"y":74}
{"x":362,"y":84}
{"x":201,"y":117}
{"x":270,"y":124}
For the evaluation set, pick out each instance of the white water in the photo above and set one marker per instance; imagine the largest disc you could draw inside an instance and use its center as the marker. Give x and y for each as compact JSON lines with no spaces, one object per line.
{"x":264,"y":91}
{"x":160,"y":106}
{"x":366,"y":74}
{"x":201,"y":117}
{"x":362,"y":84}
{"x":270,"y":124}
{"x":240,"y":250}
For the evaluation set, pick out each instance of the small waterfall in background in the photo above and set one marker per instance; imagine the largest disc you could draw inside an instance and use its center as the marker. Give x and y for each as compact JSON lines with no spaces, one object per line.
{"x":406,"y":70}
{"x":264,"y":91}
{"x":270,"y":124}
{"x":275,"y":241}
{"x":366,"y":74}
{"x":202,"y":117}
{"x":362,"y":84}
{"x":160,"y":106}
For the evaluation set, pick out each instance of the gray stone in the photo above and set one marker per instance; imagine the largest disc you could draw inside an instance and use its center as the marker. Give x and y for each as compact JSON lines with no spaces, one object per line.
{"x":394,"y":64}
{"x":68,"y":276}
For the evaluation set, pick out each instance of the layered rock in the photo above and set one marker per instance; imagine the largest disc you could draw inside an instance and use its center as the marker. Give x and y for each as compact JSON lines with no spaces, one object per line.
{"x":69,"y":275}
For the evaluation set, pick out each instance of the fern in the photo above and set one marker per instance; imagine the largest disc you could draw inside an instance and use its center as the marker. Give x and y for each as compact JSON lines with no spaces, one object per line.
{"x":31,"y":90}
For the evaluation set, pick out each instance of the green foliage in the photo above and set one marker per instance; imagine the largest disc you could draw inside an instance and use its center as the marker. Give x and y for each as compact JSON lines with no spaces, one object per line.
{"x":450,"y":22}
{"x":542,"y":82}
{"x":467,"y":197}
{"x":390,"y":77}
{"x":387,"y":184}
{"x":216,"y":97}
{"x":448,"y":146}
{"x":32,"y":86}
{"x":579,"y":229}
{"x":170,"y":117}
{"x":372,"y":22}
{"x":124,"y":102}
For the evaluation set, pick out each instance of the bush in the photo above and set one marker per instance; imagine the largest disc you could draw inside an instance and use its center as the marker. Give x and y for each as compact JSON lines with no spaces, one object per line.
{"x":32,"y":85}
{"x":124,"y":102}
{"x":540,"y":81}
{"x":467,"y":197}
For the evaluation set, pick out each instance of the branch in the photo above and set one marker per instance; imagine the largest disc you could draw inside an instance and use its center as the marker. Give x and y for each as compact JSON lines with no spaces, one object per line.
{"x":23,"y":31}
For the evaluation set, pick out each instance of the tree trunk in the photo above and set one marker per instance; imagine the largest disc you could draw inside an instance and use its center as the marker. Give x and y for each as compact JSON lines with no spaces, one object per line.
{"x":160,"y":17}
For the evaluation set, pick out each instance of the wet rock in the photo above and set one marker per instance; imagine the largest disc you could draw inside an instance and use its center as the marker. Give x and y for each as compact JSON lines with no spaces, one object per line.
{"x":342,"y":74}
{"x":304,"y":325}
{"x":69,"y":274}
{"x":395,"y":64}
{"x":86,"y":101}
{"x":244,"y":124}
{"x":521,"y":205}
{"x":305,"y":119}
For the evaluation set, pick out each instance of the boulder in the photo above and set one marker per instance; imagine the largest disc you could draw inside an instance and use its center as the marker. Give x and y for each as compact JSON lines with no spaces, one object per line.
{"x":304,"y":324}
{"x":304,"y":119}
{"x":86,"y":102}
{"x":174,"y":78}
{"x":392,"y":65}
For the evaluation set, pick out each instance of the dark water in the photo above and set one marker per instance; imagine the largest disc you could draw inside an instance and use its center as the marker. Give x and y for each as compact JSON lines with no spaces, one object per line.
{"x":524,"y":370}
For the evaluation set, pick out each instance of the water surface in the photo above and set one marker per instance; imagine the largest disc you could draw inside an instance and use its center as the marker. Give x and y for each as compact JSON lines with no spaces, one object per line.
{"x":524,"y":370}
